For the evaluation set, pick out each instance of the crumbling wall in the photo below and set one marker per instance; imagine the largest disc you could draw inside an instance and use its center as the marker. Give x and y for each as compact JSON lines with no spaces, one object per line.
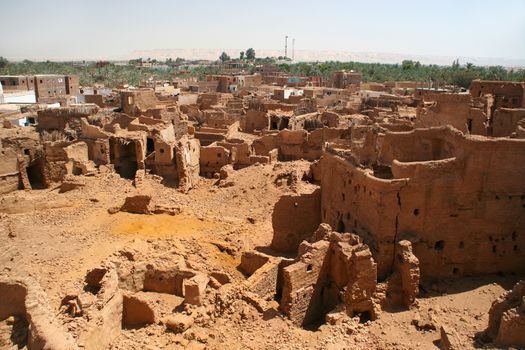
{"x":9,"y":172}
{"x":240,"y":152}
{"x":264,"y":144}
{"x":317,"y":139}
{"x":402,"y":287}
{"x":417,"y":146}
{"x":305,"y":105}
{"x":313,"y":285}
{"x":300,"y":280}
{"x":188,"y":163}
{"x":256,"y":120}
{"x":277,"y":106}
{"x":64,"y":158}
{"x":218,"y":118}
{"x":292,"y":144}
{"x":507,"y":318}
{"x":104,"y":316}
{"x":457,"y":110}
{"x":98,"y":151}
{"x":97,"y":141}
{"x":178,"y":161}
{"x":354,"y":200}
{"x":133,"y":102}
{"x":187,"y":99}
{"x":123,"y":121}
{"x":505,"y":121}
{"x":166,"y":279}
{"x":30,"y":174}
{"x":507,"y":94}
{"x":408,"y":266}
{"x":446,"y":109}
{"x":165,"y":112}
{"x":207,"y":100}
{"x":127,"y":153}
{"x":296,"y":144}
{"x":206,"y":137}
{"x":263,"y":282}
{"x":64,"y":118}
{"x":295,"y":217}
{"x":330,"y":119}
{"x":251,"y":261}
{"x":445,"y":192}
{"x":212,"y":159}
{"x":24,"y":298}
{"x":477,"y":122}
{"x":308,"y":121}
{"x":165,"y":163}
{"x":95,"y":99}
{"x":214,"y":118}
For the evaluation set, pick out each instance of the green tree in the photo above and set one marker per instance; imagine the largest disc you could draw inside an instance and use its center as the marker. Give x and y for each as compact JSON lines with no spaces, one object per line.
{"x":284,"y":68}
{"x":3,"y":62}
{"x":250,"y":54}
{"x":315,"y":71}
{"x":463,"y":78}
{"x":135,"y":61}
{"x":224,"y":57}
{"x":407,"y":64}
{"x":241,"y":55}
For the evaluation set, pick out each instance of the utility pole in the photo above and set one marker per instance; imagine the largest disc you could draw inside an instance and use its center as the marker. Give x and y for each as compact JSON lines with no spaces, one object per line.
{"x":293,"y":49}
{"x":285,"y":46}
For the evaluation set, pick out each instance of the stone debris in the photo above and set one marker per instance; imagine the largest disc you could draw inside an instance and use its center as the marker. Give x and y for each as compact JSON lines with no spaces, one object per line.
{"x":179,"y":323}
{"x":507,"y":318}
{"x":449,"y":339}
{"x":424,"y":322}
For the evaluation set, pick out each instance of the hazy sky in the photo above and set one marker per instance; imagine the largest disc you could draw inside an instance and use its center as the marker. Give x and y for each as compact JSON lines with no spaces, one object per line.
{"x":72,"y":29}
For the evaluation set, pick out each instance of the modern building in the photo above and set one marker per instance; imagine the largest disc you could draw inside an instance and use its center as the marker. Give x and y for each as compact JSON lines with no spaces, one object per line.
{"x":342,"y":79}
{"x":45,"y":86}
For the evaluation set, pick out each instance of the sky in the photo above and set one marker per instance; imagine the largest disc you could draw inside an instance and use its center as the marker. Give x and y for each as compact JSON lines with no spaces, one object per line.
{"x":72,"y":29}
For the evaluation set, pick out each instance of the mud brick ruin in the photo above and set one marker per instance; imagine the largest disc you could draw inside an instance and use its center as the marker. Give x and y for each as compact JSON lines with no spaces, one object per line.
{"x":294,"y":208}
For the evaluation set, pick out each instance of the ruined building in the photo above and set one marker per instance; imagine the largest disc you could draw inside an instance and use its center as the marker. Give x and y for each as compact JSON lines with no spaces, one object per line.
{"x":333,"y":205}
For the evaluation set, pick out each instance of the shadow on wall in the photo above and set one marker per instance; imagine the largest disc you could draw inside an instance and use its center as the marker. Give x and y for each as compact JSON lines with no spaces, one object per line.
{"x":465,"y":284}
{"x":324,"y":298}
{"x":35,"y":174}
{"x":124,"y":156}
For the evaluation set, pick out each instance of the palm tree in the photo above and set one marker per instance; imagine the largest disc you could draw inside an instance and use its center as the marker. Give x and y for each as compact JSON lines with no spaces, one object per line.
{"x":224,"y":57}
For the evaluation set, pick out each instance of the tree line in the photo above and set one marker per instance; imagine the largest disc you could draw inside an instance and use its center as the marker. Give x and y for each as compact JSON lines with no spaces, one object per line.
{"x":111,"y":74}
{"x":248,"y":55}
{"x":455,"y":74}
